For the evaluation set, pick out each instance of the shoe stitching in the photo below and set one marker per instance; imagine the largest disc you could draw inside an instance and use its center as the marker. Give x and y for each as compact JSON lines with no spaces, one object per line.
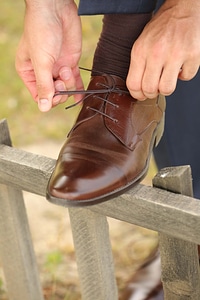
{"x":106,"y":90}
{"x":102,"y":113}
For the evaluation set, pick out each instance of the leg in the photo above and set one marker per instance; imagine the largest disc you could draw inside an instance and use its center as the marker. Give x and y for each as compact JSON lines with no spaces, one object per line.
{"x":112,"y":55}
{"x":180,"y":144}
{"x":109,"y":147}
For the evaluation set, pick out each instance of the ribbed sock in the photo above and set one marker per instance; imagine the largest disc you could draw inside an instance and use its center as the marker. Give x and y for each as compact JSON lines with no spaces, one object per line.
{"x":119,"y":32}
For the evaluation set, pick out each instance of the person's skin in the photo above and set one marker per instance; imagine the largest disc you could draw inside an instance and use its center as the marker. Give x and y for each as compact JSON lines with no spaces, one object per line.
{"x":50,"y":48}
{"x":49,"y":51}
{"x":167,"y":49}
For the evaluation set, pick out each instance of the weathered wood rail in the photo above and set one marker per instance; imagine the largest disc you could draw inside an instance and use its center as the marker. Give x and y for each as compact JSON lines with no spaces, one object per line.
{"x":168,"y":208}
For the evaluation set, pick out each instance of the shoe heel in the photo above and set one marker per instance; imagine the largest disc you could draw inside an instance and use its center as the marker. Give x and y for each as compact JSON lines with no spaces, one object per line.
{"x":160,"y":130}
{"x":161,"y":125}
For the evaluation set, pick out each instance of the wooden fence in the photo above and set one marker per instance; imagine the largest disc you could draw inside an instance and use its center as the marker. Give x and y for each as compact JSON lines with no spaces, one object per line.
{"x":168,"y":208}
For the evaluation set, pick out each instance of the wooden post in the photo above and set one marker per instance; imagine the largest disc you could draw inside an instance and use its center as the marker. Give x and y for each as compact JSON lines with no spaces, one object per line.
{"x":175,"y":216}
{"x":179,"y":259}
{"x":16,"y":250}
{"x":94,"y":255}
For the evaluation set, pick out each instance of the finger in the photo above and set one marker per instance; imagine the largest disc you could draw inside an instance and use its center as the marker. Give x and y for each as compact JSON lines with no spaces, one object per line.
{"x":135,"y":75}
{"x":169,"y":78}
{"x":151,"y":79}
{"x":69,"y":79}
{"x":25,"y":70}
{"x":79,"y":83}
{"x":36,"y":75}
{"x":45,"y":90}
{"x":66,"y":75}
{"x":65,"y":82}
{"x":59,"y":86}
{"x":28,"y":78}
{"x":72,"y":80}
{"x":78,"y":78}
{"x":44,"y":84}
{"x":188,"y":71}
{"x":79,"y":87}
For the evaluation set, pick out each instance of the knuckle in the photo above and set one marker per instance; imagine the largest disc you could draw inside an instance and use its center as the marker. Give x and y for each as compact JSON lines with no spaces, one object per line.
{"x":149,"y":89}
{"x":137,"y":47}
{"x":137,"y":95}
{"x":133,"y":86}
{"x":166,"y":89}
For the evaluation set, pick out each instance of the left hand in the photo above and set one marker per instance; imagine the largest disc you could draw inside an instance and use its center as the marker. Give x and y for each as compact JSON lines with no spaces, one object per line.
{"x":167,"y":49}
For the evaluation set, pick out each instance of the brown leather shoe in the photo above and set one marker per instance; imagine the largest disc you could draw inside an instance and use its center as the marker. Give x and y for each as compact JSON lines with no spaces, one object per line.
{"x":109,"y":148}
{"x":146,"y":282}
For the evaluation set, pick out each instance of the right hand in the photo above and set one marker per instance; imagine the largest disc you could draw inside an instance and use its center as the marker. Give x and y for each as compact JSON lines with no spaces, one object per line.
{"x":49,"y":51}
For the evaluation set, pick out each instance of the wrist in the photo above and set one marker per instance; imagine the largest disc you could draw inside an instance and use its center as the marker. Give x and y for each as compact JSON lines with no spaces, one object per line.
{"x":193,"y":4}
{"x":180,"y":9}
{"x":38,"y":4}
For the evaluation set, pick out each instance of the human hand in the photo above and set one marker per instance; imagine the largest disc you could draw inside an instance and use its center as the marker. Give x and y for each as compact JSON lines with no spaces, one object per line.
{"x":49,"y":51}
{"x":167,"y":49}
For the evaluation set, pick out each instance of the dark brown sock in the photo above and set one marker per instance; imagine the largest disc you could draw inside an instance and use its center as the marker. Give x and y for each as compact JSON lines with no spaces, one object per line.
{"x":119,"y":32}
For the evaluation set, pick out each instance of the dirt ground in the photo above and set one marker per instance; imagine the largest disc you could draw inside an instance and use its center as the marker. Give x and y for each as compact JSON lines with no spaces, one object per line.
{"x":53,"y":243}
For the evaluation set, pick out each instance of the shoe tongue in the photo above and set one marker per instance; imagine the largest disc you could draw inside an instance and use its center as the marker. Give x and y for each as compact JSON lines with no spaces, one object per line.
{"x":121,"y":124}
{"x":117,"y":107}
{"x":125,"y":117}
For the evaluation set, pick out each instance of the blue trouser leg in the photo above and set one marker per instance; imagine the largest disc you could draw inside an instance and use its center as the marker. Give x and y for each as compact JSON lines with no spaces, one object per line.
{"x":180,"y":144}
{"x":94,"y":7}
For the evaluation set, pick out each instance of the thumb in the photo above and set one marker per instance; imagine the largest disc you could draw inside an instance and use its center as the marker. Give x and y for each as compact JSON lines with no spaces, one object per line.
{"x":45,"y":86}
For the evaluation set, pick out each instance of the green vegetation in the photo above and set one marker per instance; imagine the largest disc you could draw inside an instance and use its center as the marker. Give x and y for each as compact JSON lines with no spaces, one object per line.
{"x":27,"y":124}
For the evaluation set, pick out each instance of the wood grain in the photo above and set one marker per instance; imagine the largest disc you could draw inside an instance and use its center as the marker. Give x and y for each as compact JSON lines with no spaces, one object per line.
{"x":146,"y":206}
{"x":179,"y":259}
{"x":94,"y":256}
{"x":16,"y":249}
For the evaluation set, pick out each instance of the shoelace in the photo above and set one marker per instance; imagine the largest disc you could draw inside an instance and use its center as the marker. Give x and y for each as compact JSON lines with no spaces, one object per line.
{"x":88,"y":93}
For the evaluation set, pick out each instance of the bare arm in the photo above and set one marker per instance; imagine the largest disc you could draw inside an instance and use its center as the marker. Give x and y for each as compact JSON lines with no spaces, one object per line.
{"x":167,"y":49}
{"x":49,"y":51}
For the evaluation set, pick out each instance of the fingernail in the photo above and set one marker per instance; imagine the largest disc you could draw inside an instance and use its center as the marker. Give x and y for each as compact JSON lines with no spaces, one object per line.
{"x":44,"y":104}
{"x":60,"y":86}
{"x":65,"y":73}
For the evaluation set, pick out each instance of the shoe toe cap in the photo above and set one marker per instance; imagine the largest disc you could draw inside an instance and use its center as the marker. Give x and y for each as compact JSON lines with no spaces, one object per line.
{"x":82,"y":180}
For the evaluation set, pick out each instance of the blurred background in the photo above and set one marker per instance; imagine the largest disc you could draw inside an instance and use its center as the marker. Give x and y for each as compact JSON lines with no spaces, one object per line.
{"x":44,"y":133}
